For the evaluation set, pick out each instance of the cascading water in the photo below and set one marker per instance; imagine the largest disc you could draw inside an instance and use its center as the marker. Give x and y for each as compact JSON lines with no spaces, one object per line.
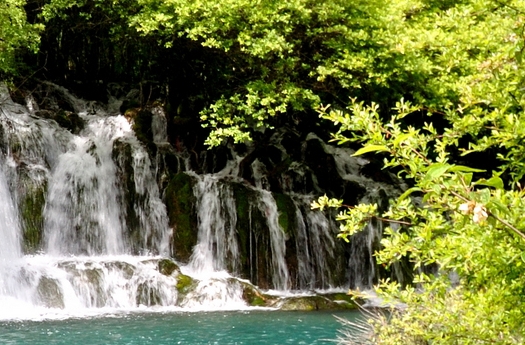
{"x":268,"y":207}
{"x":85,"y":203}
{"x":82,"y":214}
{"x":217,"y":245}
{"x":78,"y":177}
{"x":316,"y":246}
{"x":10,"y":252}
{"x":9,"y":227}
{"x":218,"y":248}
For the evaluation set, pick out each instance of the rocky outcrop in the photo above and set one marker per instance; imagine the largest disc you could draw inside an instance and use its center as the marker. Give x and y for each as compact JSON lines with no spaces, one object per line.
{"x":290,"y":166}
{"x":180,"y":204}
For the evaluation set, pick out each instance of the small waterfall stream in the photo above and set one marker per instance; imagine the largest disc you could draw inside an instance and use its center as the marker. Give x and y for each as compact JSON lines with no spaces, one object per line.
{"x":217,"y":246}
{"x":85,"y":258}
{"x":280,"y":274}
{"x":10,"y":243}
{"x":84,"y":229}
{"x":82,"y":214}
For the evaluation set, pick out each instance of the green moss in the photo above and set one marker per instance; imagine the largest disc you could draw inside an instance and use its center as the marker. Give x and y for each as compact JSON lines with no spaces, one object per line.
{"x":184,"y":283}
{"x":286,"y":209}
{"x":167,"y":267}
{"x":310,"y":303}
{"x":258,"y":302}
{"x":32,"y":206}
{"x":254,"y":237}
{"x":242,"y":204}
{"x":123,"y":156}
{"x":180,"y":204}
{"x":344,"y":300}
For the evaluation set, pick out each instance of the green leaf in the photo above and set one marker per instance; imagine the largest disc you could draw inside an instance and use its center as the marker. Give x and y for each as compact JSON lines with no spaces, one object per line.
{"x":467,"y":178}
{"x":462,"y":168}
{"x":370,"y":148}
{"x":408,"y":192}
{"x":436,"y":170}
{"x":499,"y":206}
{"x":494,"y":181}
{"x":401,"y":138}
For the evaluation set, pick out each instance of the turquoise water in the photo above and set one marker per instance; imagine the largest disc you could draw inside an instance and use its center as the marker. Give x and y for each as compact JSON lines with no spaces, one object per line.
{"x":224,"y":328}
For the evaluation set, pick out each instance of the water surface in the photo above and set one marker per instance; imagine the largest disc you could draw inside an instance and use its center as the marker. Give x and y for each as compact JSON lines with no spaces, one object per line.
{"x":224,"y":328}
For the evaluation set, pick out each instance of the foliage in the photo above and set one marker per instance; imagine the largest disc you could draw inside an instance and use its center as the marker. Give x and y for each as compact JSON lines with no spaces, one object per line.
{"x":262,"y":64}
{"x":15,"y":34}
{"x":465,"y":220}
{"x":285,"y":58}
{"x":252,"y":64}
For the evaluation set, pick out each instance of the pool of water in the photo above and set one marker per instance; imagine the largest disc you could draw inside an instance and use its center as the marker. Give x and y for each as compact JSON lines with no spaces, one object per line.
{"x":224,"y":328}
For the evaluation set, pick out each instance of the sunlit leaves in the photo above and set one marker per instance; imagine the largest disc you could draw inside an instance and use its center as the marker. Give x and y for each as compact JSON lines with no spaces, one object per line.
{"x":468,"y":228}
{"x":15,"y":33}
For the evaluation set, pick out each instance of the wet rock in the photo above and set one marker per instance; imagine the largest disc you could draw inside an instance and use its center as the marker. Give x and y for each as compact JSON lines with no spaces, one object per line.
{"x":52,"y":97}
{"x":123,"y":157}
{"x":127,"y":270}
{"x":216,"y":159}
{"x":254,"y":237}
{"x":168,"y":163}
{"x":49,"y":293}
{"x":310,"y":303}
{"x":180,"y":204}
{"x":69,"y":120}
{"x":168,"y":267}
{"x":329,"y":181}
{"x":253,"y":296}
{"x":288,"y":222}
{"x":141,"y":120}
{"x":32,"y":188}
{"x":148,"y":295}
{"x":185,"y":286}
{"x":88,"y":278}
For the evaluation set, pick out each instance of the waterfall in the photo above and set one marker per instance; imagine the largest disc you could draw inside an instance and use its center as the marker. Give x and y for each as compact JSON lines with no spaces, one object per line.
{"x":84,"y":210}
{"x":83,"y":224}
{"x":268,"y":207}
{"x":316,"y":246}
{"x":9,"y":227}
{"x":82,"y":213}
{"x":217,"y":245}
{"x":71,"y":186}
{"x":10,"y":249}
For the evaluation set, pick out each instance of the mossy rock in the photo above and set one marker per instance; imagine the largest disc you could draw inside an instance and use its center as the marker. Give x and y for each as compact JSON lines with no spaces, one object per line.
{"x":185,"y":285}
{"x":141,"y":120}
{"x":168,"y":267}
{"x":288,"y":222}
{"x":180,"y":204}
{"x":122,"y":154}
{"x":31,"y":205}
{"x":69,"y":120}
{"x":345,"y":300}
{"x":254,"y":237}
{"x":287,"y":217}
{"x":148,"y":295}
{"x":129,"y":105}
{"x":168,"y":164}
{"x":126,"y":269}
{"x":311,"y":303}
{"x":252,"y":295}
